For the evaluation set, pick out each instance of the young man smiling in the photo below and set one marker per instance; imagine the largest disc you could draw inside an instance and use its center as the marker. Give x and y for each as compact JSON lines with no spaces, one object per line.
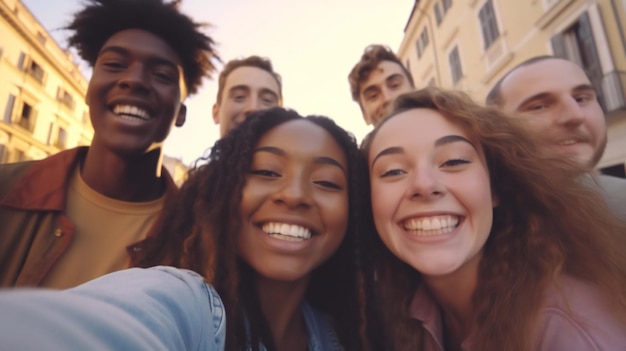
{"x":560,"y":105}
{"x":376,"y":80}
{"x":85,"y":212}
{"x":244,"y":86}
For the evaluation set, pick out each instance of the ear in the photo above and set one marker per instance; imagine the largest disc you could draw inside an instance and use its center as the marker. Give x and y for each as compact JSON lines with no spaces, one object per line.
{"x":216,"y":111}
{"x":182,"y":115}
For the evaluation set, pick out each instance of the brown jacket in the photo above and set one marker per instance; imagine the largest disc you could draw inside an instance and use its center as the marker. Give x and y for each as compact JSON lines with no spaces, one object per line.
{"x":34,"y":230}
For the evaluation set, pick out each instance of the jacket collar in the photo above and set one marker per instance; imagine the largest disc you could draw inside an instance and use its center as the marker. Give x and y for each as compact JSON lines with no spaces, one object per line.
{"x":43,"y":186}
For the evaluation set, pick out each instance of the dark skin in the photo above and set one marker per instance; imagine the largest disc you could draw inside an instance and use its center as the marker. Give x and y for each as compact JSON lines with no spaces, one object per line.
{"x":135,"y":96}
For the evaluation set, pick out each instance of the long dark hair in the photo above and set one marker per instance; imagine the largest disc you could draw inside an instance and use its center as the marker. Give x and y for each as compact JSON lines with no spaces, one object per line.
{"x":202,"y":226}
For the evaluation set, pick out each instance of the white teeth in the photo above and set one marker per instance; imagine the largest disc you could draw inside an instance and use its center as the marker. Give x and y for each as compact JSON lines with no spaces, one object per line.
{"x":431,"y":225}
{"x":286,"y":231}
{"x":569,"y":142}
{"x":129,"y":110}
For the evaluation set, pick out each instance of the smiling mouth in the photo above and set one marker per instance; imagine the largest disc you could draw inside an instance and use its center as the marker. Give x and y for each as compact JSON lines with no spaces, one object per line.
{"x":130,"y":112}
{"x":434,"y":225}
{"x":285,"y":231}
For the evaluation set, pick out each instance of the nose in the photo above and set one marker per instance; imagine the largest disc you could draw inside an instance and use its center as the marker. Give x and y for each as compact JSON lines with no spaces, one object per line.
{"x":253,"y":104}
{"x":571,"y":114}
{"x":134,"y":78}
{"x":294,"y":192}
{"x":426,"y":184}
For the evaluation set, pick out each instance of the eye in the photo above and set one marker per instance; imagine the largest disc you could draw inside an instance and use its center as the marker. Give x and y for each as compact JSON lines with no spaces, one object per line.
{"x":113,"y":64}
{"x":392,"y":172}
{"x":265,"y":173}
{"x":454,"y":162}
{"x":269,"y":101}
{"x":583,"y":98}
{"x":239,"y":98}
{"x":371,"y":96}
{"x":537,"y":107}
{"x":165,"y":76}
{"x":328,"y":184}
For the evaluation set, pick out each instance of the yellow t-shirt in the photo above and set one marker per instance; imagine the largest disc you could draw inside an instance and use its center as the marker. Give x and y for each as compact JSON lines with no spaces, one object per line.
{"x":104,"y":227}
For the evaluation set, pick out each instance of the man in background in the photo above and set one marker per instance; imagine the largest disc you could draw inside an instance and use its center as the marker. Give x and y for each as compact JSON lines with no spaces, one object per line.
{"x":376,"y":80}
{"x":561,"y":106}
{"x":244,"y":86}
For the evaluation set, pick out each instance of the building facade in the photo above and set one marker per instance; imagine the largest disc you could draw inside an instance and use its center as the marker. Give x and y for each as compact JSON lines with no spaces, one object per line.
{"x":42,"y":91}
{"x":470,"y":44}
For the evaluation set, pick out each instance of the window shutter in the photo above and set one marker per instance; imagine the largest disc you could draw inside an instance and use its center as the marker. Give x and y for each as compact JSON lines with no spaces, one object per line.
{"x":8,"y":111}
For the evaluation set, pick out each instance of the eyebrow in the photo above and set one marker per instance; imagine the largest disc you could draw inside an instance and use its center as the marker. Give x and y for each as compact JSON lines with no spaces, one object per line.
{"x":448,"y":139}
{"x":394,"y":76}
{"x":322,"y":160}
{"x":394,"y":150}
{"x":543,"y":95}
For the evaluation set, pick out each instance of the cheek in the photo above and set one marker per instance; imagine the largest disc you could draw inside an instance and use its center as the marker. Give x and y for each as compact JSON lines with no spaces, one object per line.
{"x":385,"y":200}
{"x":596,"y":124}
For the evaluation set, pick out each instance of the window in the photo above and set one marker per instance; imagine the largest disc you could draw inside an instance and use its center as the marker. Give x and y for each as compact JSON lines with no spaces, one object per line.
{"x":65,"y":98}
{"x":20,"y":156}
{"x":2,"y":153}
{"x":8,"y":111}
{"x":424,"y":38}
{"x":455,"y":65}
{"x":422,"y":42}
{"x":488,"y":24}
{"x":26,"y":118}
{"x":31,"y":67}
{"x":577,"y":44}
{"x":438,"y":15}
{"x":61,"y":138}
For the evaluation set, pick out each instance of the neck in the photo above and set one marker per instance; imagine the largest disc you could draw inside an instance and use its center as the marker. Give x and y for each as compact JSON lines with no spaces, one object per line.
{"x":454,"y":293}
{"x":127,"y":179}
{"x":280,"y":302}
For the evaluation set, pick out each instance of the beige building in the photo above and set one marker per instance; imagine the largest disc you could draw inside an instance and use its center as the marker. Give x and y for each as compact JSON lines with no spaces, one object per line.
{"x":470,"y":44}
{"x":42,"y":90}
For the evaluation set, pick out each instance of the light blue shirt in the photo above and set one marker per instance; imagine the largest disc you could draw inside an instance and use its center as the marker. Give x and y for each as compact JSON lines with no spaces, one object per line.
{"x":160,"y":308}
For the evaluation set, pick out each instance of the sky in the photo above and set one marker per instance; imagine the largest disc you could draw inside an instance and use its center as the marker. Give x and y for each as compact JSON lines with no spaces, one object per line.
{"x":312,"y":45}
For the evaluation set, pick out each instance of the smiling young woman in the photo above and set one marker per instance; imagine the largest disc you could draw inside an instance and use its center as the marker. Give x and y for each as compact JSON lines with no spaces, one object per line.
{"x":269,"y":226}
{"x":483,"y":242}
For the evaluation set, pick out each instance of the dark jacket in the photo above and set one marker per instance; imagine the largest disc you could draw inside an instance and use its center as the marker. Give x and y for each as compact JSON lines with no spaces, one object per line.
{"x":34,"y":230}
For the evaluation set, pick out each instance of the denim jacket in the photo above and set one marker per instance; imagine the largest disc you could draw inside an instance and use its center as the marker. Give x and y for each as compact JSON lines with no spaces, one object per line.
{"x":161,"y":308}
{"x":322,"y":337}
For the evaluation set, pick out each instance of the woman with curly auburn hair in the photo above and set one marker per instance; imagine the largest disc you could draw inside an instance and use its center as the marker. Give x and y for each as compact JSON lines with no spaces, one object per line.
{"x":487,"y":244}
{"x":265,"y":234}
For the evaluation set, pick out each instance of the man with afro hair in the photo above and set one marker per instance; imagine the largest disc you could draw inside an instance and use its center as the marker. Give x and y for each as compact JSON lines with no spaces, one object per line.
{"x":87,"y":211}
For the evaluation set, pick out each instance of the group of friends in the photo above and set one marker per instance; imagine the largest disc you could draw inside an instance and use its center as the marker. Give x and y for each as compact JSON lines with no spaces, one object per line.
{"x":455,"y":225}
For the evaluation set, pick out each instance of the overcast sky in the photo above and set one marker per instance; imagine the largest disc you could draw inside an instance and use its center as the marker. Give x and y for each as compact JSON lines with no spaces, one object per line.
{"x":312,"y":44}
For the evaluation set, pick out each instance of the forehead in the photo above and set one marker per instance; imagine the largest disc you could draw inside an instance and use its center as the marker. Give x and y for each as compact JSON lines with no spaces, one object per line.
{"x":414,"y":129}
{"x":253,"y":78}
{"x":381,"y":72}
{"x":142,"y":43}
{"x":547,"y":76}
{"x":302,"y":136}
